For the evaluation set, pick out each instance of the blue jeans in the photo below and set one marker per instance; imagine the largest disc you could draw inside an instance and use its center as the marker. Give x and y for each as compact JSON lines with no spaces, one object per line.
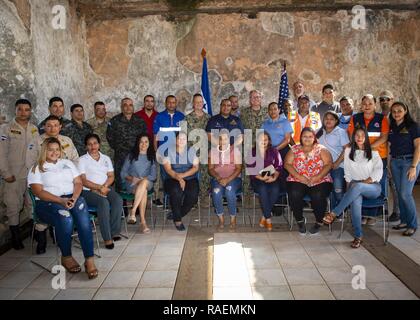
{"x":354,"y":197}
{"x":218,"y":192}
{"x":399,"y":168}
{"x":63,"y":220}
{"x":109,"y":211}
{"x":338,"y":186}
{"x":268,"y":194}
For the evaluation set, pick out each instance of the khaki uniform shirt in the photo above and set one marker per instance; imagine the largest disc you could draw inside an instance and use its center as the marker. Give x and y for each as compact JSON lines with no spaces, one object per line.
{"x":69,"y":150}
{"x":18,"y":149}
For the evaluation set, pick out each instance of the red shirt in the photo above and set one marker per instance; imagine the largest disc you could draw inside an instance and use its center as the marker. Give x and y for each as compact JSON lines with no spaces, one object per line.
{"x":149,"y":120}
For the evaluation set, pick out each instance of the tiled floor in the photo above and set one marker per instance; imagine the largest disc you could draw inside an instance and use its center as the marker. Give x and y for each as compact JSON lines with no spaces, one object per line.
{"x":278,"y":265}
{"x":286,"y":265}
{"x":142,"y":267}
{"x":410,"y":246}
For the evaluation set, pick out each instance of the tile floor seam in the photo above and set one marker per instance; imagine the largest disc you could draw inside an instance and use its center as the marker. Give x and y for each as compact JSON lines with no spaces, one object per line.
{"x":116,"y":261}
{"x":352,"y":267}
{"x":281,"y":267}
{"x":316,"y":267}
{"x":145,"y":268}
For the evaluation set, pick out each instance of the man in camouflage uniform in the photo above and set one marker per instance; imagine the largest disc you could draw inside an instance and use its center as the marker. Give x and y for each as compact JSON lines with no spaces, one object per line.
{"x":122,"y":132}
{"x":56,"y":108}
{"x":99,"y":124}
{"x":18,"y":153}
{"x":198,"y":119}
{"x":252,"y":118}
{"x":78,"y":129}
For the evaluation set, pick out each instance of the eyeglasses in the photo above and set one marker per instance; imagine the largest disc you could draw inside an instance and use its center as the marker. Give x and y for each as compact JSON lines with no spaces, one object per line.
{"x":382,"y":99}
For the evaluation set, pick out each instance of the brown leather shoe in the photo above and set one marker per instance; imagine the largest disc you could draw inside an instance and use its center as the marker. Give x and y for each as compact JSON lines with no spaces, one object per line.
{"x":221,"y":225}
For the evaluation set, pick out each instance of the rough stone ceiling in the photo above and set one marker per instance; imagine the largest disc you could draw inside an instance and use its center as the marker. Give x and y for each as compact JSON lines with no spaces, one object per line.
{"x":119,"y":9}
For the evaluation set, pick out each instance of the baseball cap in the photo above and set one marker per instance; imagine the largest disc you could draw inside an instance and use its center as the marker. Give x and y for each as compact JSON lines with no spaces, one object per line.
{"x":304,"y":96}
{"x":386,"y":94}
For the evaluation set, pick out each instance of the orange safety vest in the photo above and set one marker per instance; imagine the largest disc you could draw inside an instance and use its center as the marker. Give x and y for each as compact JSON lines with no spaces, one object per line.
{"x":313,"y":121}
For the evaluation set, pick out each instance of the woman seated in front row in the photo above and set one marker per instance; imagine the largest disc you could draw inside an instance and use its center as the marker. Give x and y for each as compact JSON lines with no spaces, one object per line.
{"x":97,"y":173}
{"x":138,"y":175}
{"x":56,"y":184}
{"x":309,"y":164}
{"x":363,"y":170}
{"x":265,"y":184}
{"x":225,"y":165}
{"x":181,"y":183}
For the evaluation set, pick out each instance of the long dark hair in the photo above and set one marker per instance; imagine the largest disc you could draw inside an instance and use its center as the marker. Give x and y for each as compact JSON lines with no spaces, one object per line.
{"x":408,"y":120}
{"x":366,"y":144}
{"x":135,"y":151}
{"x":337,"y":122}
{"x":311,"y":131}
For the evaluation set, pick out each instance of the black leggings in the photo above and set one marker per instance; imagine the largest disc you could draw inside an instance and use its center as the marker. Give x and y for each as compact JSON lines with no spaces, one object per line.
{"x":318,"y":194}
{"x":181,"y":201}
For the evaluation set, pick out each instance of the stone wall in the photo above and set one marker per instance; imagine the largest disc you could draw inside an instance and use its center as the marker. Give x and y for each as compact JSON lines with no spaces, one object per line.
{"x":110,"y":59}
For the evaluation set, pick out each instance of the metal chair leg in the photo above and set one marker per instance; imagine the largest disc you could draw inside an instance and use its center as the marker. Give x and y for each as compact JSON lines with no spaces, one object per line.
{"x":209,"y":211}
{"x":253,"y":214}
{"x":243,"y":209}
{"x":97,"y":239}
{"x":199,"y":212}
{"x":125,"y":225}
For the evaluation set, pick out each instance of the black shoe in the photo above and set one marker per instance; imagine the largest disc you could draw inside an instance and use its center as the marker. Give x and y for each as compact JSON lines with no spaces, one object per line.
{"x":41,"y":239}
{"x":51,"y":229}
{"x":315,"y":228}
{"x":302,"y":226}
{"x":110,"y":246}
{"x":16,"y":241}
{"x":394,"y":217}
{"x":181,"y":227}
{"x":116,"y":238}
{"x":170,"y":216}
{"x":158,"y":203}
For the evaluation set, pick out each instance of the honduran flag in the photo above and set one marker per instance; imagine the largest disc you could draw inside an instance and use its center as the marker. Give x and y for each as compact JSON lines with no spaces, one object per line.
{"x":205,"y":85}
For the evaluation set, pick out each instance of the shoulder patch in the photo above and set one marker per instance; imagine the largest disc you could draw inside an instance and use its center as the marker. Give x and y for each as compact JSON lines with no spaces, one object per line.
{"x":3,"y":138}
{"x":66,"y":146}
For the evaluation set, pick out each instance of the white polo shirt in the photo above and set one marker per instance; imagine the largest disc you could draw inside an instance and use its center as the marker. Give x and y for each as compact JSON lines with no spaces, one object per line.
{"x":57,"y":178}
{"x":95,"y":171}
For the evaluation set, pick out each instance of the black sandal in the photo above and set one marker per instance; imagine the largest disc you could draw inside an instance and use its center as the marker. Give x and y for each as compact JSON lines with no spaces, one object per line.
{"x":400,"y":226}
{"x":409,"y":232}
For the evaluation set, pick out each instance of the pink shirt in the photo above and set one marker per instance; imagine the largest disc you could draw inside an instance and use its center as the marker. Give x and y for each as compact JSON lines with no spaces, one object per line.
{"x":224,"y":161}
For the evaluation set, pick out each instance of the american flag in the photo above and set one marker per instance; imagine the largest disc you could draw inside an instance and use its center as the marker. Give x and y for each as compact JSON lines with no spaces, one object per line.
{"x":284,"y":88}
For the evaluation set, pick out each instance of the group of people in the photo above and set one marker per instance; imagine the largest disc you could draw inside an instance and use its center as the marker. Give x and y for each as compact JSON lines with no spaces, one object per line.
{"x":310,"y":150}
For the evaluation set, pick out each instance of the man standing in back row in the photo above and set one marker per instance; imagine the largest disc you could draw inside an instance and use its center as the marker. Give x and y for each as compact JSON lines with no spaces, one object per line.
{"x":18,"y":153}
{"x":122,"y":132}
{"x":56,"y":108}
{"x":99,"y":124}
